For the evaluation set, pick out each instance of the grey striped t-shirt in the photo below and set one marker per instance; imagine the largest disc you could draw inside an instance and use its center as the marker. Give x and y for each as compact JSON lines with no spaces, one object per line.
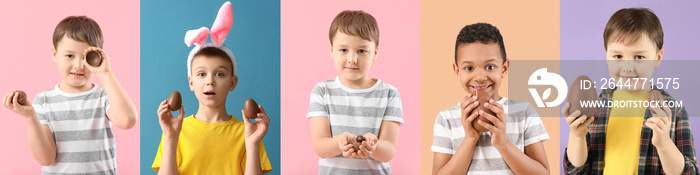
{"x":81,"y":130}
{"x":358,"y":111}
{"x":523,"y":127}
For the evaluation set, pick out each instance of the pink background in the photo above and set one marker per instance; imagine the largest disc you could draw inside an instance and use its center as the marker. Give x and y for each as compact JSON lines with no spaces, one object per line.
{"x":27,"y":28}
{"x":306,"y":61}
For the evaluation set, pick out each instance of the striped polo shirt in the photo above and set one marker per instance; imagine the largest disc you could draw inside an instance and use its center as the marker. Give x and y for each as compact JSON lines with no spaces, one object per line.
{"x":523,"y":127}
{"x":357,"y":111}
{"x":81,"y":130}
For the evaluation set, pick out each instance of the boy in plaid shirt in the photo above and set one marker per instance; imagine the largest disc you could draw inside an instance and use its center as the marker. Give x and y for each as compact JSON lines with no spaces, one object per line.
{"x":619,"y":140}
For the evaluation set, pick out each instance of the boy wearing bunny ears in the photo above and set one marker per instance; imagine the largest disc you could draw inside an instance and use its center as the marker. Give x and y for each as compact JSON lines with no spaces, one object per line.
{"x":69,"y":125}
{"x":211,"y":141}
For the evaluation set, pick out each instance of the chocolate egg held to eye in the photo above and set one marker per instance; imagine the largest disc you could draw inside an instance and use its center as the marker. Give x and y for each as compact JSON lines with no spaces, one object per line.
{"x":585,"y":93}
{"x":93,"y":58}
{"x":175,"y":101}
{"x":655,"y":99}
{"x":251,"y":109}
{"x":483,"y":98}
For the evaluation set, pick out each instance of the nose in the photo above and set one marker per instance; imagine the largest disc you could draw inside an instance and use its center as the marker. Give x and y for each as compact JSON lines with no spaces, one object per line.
{"x":480,"y":75}
{"x":78,"y":62}
{"x":210,"y":80}
{"x":352,"y":58}
{"x":627,"y":66}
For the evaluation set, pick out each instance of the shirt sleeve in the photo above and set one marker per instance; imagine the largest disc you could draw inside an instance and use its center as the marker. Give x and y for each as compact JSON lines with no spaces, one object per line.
{"x":534,"y":128}
{"x":442,"y":139}
{"x":38,"y":104}
{"x":570,"y":169}
{"x":394,"y":109}
{"x":684,"y":141}
{"x":317,"y":104}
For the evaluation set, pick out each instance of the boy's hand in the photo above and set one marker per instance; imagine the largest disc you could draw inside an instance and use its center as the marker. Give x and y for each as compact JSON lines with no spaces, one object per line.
{"x":577,"y":122}
{"x":254,"y":132}
{"x":660,"y":123}
{"x":171,"y":126}
{"x":368,"y":146}
{"x":10,"y":101}
{"x":104,"y":67}
{"x":467,"y":105}
{"x":498,"y":129}
{"x":345,"y":147}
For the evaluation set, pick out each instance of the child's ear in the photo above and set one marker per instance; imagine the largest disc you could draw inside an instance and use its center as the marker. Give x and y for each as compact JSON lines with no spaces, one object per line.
{"x":506,"y":66}
{"x":331,"y":50}
{"x":659,"y":57}
{"x":376,"y":52}
{"x":455,"y":68}
{"x":234,"y":82}
{"x":189,"y":79}
{"x":53,"y":52}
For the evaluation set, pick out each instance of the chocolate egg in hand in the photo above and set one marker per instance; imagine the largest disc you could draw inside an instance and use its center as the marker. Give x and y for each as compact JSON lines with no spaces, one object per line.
{"x":483,"y":98}
{"x":21,"y":98}
{"x":93,"y":58}
{"x":356,"y":142}
{"x":251,"y":109}
{"x":175,"y":101}
{"x":582,"y":91}
{"x":655,"y":99}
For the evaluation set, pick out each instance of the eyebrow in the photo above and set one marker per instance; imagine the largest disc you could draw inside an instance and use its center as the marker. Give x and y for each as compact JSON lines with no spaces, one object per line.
{"x":489,"y":60}
{"x":634,"y":52}
{"x":202,"y":67}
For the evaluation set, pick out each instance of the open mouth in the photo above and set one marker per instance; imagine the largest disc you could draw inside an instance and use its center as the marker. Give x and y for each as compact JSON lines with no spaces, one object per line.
{"x":209,"y":93}
{"x":481,"y":87}
{"x":77,"y":74}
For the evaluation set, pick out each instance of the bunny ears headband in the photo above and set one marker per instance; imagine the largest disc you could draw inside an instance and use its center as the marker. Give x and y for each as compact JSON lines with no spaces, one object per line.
{"x":219,"y":31}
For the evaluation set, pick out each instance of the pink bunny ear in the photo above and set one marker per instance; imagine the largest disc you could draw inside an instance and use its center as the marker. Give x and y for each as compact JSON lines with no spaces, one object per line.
{"x":222,"y":24}
{"x":197,"y":36}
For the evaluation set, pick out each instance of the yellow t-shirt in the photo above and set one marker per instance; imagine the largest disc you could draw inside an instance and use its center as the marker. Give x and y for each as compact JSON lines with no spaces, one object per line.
{"x":212,"y":148}
{"x":623,"y":134}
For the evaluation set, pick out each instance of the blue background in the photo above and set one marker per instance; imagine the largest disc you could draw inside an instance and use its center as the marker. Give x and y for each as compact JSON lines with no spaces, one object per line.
{"x":254,"y":40}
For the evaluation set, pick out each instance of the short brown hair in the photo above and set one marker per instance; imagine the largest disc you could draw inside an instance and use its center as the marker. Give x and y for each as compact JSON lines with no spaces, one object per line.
{"x":358,"y":23}
{"x":629,"y":24}
{"x":214,"y":52}
{"x":79,"y":28}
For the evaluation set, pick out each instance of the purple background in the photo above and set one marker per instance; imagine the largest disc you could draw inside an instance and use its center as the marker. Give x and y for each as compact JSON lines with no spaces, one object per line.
{"x":582,"y":24}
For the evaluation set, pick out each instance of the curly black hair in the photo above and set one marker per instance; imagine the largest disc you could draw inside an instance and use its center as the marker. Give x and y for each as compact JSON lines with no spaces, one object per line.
{"x":484,"y":33}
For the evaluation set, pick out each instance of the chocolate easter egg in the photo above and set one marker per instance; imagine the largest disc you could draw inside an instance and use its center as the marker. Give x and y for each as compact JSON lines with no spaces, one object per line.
{"x":175,"y":101}
{"x":483,"y":98}
{"x":655,"y":99}
{"x":251,"y":109}
{"x":93,"y":58}
{"x":582,"y":90}
{"x":356,"y":142}
{"x":22,"y":98}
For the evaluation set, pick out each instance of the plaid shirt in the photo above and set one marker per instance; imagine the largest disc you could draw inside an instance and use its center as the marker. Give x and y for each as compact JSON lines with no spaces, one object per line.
{"x":649,"y":162}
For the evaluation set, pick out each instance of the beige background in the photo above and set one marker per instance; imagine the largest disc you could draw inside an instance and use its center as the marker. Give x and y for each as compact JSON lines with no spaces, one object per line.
{"x":530,"y":32}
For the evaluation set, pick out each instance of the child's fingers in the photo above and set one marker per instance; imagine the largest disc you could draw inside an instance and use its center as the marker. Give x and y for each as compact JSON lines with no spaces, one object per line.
{"x":588,"y":121}
{"x":653,"y":126}
{"x":565,"y":109}
{"x":245,"y":119}
{"x":15,"y":100}
{"x":181,"y":115}
{"x":493,"y":119}
{"x":578,"y":121}
{"x":261,"y":109}
{"x":496,"y":109}
{"x":572,"y":117}
{"x":487,"y":126}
